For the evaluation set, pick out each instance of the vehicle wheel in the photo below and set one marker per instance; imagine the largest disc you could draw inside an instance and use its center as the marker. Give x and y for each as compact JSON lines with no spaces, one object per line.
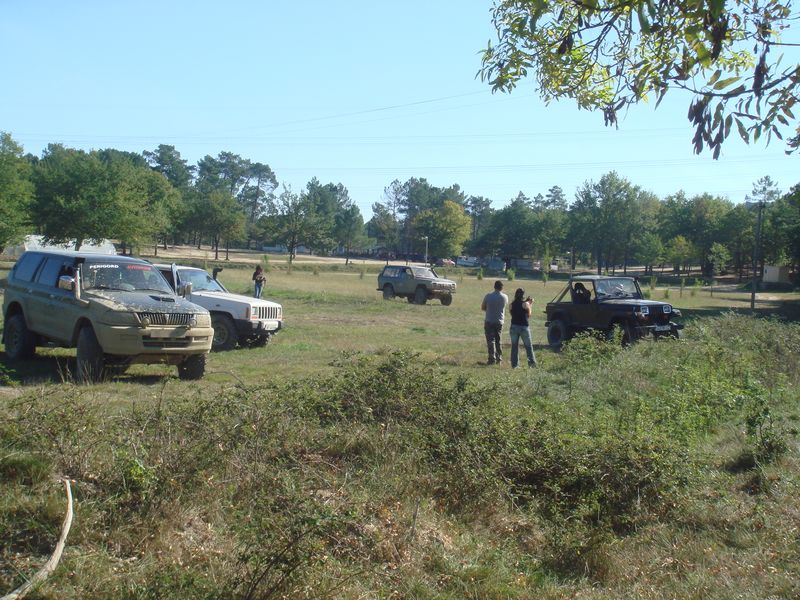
{"x":192,"y":368}
{"x":447,"y":300}
{"x":225,"y":337}
{"x":388,"y":292}
{"x":420,"y":296}
{"x":259,"y":341}
{"x":20,"y":341}
{"x":557,"y":334}
{"x":622,"y":332}
{"x":410,"y":299}
{"x":90,"y":358}
{"x":115,"y":369}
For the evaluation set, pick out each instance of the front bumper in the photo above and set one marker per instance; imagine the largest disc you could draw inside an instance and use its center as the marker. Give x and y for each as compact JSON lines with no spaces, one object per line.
{"x":156,"y":342}
{"x":660,"y":329}
{"x":248,"y":328}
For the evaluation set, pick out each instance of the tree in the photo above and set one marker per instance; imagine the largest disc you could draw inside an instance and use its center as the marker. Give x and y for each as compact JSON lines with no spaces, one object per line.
{"x":384,"y":227}
{"x":509,"y":231}
{"x":167,"y":161}
{"x":349,"y":229}
{"x":679,"y":252}
{"x":324,"y":203}
{"x":446,"y":227}
{"x":295,"y":221}
{"x":786,"y":214}
{"x":719,"y":257}
{"x":221,"y":217}
{"x":478,"y":209}
{"x":649,"y":250}
{"x":78,"y":196}
{"x":608,"y":55}
{"x":16,"y":191}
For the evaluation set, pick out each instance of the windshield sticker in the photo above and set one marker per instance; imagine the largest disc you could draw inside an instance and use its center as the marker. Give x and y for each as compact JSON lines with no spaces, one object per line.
{"x":108,"y":266}
{"x":138,"y":267}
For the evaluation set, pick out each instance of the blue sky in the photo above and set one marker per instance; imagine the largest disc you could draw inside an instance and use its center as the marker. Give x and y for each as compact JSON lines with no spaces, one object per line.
{"x":355,"y":92}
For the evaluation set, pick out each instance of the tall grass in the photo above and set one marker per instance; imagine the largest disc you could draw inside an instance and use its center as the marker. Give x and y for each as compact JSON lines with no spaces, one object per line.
{"x":393,"y":474}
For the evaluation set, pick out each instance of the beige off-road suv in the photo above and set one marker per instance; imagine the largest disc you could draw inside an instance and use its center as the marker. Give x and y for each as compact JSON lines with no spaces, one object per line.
{"x":115,"y":310}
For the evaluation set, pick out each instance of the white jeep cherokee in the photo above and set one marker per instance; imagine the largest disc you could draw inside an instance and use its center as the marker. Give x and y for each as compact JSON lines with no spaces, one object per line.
{"x":234,"y":317}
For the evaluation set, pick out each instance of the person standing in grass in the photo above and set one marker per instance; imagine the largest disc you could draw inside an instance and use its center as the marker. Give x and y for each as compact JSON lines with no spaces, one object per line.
{"x":260,"y":279}
{"x":520,"y":328}
{"x":494,"y":305}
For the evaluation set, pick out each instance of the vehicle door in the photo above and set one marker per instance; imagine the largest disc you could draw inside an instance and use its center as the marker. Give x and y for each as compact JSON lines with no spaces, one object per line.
{"x":59,"y":306}
{"x":583,"y":313}
{"x":405,"y":283}
{"x":21,"y":286}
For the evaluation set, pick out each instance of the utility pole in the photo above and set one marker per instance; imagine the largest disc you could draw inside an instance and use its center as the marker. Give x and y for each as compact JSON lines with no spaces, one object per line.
{"x":756,"y":253}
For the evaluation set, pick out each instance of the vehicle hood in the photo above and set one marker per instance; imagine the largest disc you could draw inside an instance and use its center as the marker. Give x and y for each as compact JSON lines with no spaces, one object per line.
{"x":239,"y":298}
{"x":142,"y":301}
{"x":439,"y":280}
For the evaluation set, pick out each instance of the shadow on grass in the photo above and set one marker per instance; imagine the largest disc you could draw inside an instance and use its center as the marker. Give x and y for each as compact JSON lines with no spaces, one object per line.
{"x":56,"y":369}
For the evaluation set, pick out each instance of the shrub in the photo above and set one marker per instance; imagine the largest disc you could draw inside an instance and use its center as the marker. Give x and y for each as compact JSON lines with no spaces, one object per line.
{"x":510,"y":274}
{"x":480,"y":273}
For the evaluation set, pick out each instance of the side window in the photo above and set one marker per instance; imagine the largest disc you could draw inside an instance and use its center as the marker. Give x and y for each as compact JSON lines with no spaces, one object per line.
{"x":48,"y":274}
{"x":26,"y":266}
{"x":167,"y":273}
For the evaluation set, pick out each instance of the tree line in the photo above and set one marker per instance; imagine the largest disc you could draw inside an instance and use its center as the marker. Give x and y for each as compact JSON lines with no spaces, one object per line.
{"x":157,"y":198}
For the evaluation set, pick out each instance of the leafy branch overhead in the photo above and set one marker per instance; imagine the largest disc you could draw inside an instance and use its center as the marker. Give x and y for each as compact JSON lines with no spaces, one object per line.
{"x":610,"y":54}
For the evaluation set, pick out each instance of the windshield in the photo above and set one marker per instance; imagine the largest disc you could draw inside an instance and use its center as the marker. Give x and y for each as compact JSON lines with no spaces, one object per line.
{"x":424,"y":272}
{"x":621,"y":287}
{"x":127,"y":277}
{"x":200,"y":280}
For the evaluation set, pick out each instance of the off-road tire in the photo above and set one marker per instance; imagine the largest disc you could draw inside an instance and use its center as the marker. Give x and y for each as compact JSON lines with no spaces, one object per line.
{"x":388,"y":292}
{"x":627,"y":336}
{"x":420,"y":295}
{"x":90,"y":362}
{"x":557,"y":333}
{"x":20,"y":341}
{"x":225,"y":336}
{"x":447,"y":300}
{"x":259,"y":341}
{"x":193,"y":368}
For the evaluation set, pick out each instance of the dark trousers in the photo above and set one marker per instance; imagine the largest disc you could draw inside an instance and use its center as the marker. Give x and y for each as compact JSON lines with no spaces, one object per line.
{"x":492,"y":332}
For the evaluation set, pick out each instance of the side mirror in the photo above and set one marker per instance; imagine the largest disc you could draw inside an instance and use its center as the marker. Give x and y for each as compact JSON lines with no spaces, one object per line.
{"x":65,"y":282}
{"x":185,"y":290}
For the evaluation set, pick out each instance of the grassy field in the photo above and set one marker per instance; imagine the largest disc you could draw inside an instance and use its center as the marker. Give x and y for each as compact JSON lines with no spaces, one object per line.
{"x":367,"y":452}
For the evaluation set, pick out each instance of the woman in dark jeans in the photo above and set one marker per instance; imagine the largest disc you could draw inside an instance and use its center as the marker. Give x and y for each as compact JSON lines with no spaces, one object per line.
{"x":520,"y":328}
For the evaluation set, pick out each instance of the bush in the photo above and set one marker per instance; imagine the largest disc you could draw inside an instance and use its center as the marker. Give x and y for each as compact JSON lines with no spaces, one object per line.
{"x":510,"y":274}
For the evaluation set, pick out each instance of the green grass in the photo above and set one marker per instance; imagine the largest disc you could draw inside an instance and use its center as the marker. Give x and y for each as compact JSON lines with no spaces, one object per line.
{"x":366,"y":452}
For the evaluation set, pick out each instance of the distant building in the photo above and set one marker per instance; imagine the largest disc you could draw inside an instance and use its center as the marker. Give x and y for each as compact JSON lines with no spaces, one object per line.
{"x":776,"y":274}
{"x":36,"y":242}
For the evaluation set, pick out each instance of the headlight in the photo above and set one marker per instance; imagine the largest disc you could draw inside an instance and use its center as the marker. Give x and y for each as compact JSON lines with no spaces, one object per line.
{"x":667,"y":309}
{"x":120,"y":318}
{"x":200,"y":320}
{"x":645,"y":310}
